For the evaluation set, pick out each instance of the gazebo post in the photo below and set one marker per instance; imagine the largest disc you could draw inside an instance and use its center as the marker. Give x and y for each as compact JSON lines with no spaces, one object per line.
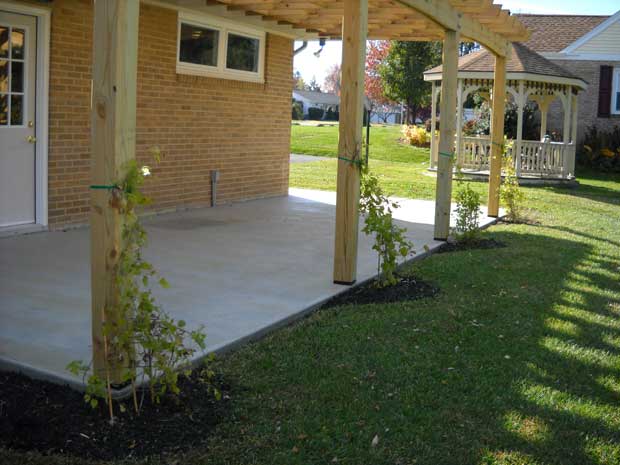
{"x":497,"y":134}
{"x":354,"y":31}
{"x":459,"y":123}
{"x":521,"y":98}
{"x":566,"y":132}
{"x":447,"y":112}
{"x":113,"y":144}
{"x":575,"y":109}
{"x":433,"y":124}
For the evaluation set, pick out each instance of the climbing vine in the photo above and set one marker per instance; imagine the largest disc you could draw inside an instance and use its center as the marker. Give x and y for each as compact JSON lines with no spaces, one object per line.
{"x":511,"y":194}
{"x":156,"y":349}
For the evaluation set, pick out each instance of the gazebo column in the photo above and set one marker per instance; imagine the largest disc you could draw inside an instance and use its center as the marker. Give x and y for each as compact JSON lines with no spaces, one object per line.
{"x":354,"y":31}
{"x":459,"y":123}
{"x":521,"y":99}
{"x":115,"y":58}
{"x":447,"y":112}
{"x":575,"y":108}
{"x":566,"y":132}
{"x":497,"y":134}
{"x":433,"y":160}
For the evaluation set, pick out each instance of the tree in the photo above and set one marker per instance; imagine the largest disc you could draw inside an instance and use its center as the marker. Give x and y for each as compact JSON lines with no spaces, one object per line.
{"x":332,"y":80}
{"x":313,"y":85}
{"x":376,"y":54}
{"x":402,"y":74}
{"x":298,"y":81}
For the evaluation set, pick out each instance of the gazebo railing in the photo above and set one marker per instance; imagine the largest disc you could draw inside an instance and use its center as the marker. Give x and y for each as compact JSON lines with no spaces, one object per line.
{"x":542,"y":159}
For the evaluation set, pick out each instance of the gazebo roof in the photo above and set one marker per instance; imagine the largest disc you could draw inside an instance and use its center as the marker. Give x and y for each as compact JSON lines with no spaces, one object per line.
{"x":523,"y":64}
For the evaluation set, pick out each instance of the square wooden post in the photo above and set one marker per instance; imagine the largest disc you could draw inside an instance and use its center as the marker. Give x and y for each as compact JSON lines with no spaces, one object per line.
{"x":497,"y":134}
{"x":433,"y":123}
{"x":516,"y":151}
{"x":113,"y":140}
{"x":447,"y":129}
{"x":354,"y":31}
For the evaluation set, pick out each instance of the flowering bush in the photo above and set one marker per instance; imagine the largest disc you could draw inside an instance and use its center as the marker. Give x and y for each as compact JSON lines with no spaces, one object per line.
{"x":601,"y":150}
{"x":416,"y":136}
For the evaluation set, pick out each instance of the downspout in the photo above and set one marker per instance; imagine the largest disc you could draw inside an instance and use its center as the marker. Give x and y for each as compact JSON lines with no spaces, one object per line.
{"x":301,"y":48}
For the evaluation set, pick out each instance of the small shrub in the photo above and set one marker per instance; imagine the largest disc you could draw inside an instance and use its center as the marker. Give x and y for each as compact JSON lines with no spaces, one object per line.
{"x":390,"y":240}
{"x":467,"y":213}
{"x":416,"y":136}
{"x":511,"y":194}
{"x":331,"y":115}
{"x":298,"y":111}
{"x":315,"y":113}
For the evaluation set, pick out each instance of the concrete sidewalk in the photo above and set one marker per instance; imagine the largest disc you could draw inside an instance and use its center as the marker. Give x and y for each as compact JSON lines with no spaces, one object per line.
{"x":240,"y":270}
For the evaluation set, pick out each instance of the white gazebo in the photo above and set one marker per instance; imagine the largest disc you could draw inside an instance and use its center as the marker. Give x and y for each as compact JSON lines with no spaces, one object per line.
{"x":529,"y":77}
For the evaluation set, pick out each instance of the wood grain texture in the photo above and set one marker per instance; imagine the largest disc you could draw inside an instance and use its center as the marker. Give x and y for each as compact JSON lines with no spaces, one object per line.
{"x":447,"y":126}
{"x":497,"y":134}
{"x":115,"y":53}
{"x":354,"y":30}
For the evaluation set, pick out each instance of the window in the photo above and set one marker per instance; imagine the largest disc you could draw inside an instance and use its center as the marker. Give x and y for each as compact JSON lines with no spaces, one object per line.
{"x":218,"y":48}
{"x":12,"y":76}
{"x":615,"y":93}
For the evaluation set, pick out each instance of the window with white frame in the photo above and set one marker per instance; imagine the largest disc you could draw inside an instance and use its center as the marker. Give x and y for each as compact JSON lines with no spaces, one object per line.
{"x":615,"y":93}
{"x":209,"y":46}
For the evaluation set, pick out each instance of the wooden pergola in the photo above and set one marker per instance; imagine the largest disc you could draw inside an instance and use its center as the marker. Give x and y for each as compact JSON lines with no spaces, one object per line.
{"x":354,"y":21}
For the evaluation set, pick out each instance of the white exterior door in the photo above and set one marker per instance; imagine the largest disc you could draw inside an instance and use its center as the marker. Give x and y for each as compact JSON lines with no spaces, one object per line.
{"x":17,"y":119}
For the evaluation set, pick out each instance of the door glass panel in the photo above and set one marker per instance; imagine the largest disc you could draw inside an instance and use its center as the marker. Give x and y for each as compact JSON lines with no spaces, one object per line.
{"x":17,"y":43}
{"x":17,"y":106}
{"x":4,"y":76}
{"x":4,"y":41}
{"x":4,"y":109}
{"x":17,"y":76}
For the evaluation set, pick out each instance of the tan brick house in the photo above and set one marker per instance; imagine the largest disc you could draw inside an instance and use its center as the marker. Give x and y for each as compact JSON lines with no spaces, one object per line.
{"x":213,"y":94}
{"x":588,"y":47}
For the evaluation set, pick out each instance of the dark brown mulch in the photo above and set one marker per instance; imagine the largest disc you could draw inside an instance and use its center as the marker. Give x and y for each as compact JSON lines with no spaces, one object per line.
{"x":457,"y":246}
{"x":407,"y":288}
{"x":53,"y":419}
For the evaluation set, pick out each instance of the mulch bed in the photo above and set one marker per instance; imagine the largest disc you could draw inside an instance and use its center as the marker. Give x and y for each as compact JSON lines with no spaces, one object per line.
{"x":457,"y":246}
{"x":407,"y":288}
{"x":54,"y":419}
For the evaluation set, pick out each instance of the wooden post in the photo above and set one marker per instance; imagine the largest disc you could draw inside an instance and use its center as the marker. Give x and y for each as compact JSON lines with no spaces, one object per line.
{"x":115,"y":56}
{"x":497,"y":134}
{"x":517,"y":147}
{"x":567,"y":115}
{"x":575,"y":108}
{"x":447,"y":115}
{"x":459,"y":122}
{"x":433,"y":124}
{"x":354,"y":31}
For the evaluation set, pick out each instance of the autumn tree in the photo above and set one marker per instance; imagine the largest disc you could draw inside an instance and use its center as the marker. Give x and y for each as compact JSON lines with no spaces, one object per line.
{"x":377,"y":51}
{"x":402,"y":74}
{"x":332,"y":80}
{"x":298,"y":81}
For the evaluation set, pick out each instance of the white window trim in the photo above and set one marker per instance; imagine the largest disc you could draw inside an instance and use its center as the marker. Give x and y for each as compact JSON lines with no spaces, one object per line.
{"x":615,"y":89}
{"x":224,"y":27}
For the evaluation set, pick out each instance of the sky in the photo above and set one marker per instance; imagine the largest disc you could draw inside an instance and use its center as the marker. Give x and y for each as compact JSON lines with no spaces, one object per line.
{"x":313,"y":67}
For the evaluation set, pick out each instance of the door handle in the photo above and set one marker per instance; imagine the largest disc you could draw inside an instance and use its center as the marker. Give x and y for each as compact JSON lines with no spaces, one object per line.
{"x":31,"y":139}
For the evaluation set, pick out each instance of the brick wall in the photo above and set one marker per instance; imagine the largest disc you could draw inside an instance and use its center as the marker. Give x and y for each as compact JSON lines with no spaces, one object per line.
{"x":199,"y":123}
{"x":588,"y":99}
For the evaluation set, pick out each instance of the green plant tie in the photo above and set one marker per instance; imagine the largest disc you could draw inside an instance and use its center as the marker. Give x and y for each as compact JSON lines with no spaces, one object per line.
{"x":447,"y":154}
{"x":350,"y":160}
{"x":104,"y":186}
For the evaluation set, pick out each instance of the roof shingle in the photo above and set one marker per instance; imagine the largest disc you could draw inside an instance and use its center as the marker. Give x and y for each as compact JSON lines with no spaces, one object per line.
{"x":553,"y":33}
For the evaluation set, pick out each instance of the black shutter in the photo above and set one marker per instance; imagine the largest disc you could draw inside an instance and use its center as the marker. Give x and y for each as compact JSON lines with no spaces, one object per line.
{"x":604,"y":92}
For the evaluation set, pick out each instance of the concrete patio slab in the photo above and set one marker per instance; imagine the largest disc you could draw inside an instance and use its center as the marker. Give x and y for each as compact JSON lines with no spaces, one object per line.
{"x":240,"y":270}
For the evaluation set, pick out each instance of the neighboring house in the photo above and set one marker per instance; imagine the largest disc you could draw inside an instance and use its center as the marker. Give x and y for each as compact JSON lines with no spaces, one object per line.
{"x":588,"y":47}
{"x":323,"y":100}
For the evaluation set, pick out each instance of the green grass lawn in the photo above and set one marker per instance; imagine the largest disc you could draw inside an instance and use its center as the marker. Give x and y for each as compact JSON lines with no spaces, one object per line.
{"x":517,"y":361}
